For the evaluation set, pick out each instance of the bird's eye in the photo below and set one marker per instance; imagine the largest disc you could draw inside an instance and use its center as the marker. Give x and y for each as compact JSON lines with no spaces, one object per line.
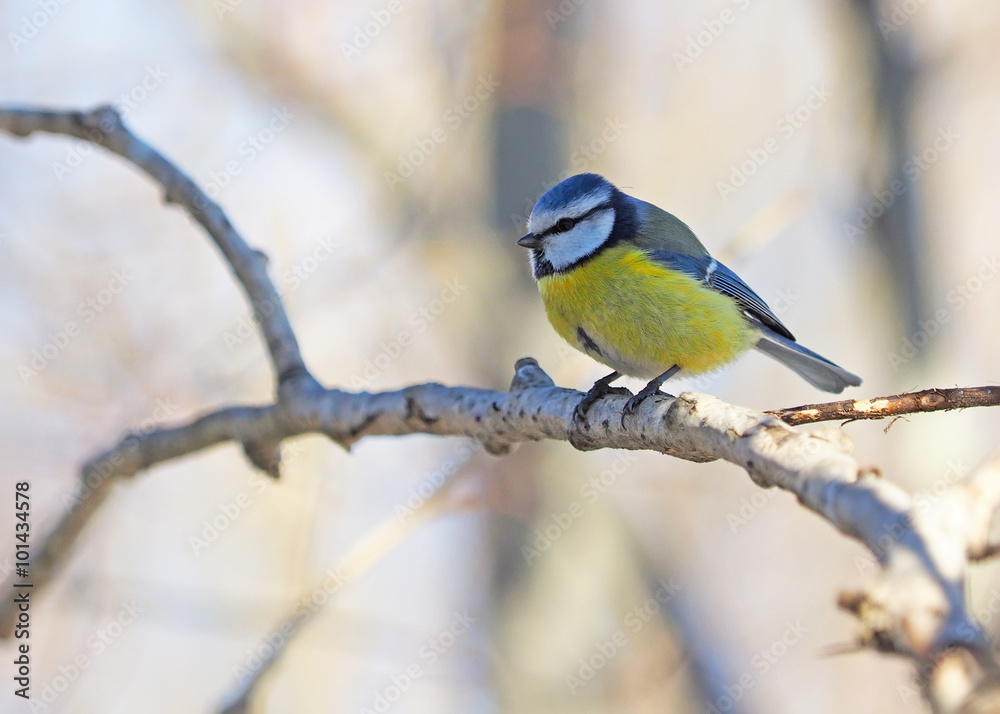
{"x":564,"y":224}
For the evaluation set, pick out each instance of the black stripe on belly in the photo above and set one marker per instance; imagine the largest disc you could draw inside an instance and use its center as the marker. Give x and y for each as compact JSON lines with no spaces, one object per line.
{"x":586,"y":342}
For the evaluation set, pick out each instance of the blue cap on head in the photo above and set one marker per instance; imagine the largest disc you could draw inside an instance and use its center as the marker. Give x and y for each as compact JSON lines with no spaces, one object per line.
{"x":572,"y":189}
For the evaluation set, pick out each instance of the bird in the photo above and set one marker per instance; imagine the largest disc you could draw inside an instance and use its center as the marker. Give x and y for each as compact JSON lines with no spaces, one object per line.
{"x":631,"y":286}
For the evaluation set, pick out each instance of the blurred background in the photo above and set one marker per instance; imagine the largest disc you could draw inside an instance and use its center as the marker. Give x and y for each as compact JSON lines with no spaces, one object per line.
{"x":841,"y":156}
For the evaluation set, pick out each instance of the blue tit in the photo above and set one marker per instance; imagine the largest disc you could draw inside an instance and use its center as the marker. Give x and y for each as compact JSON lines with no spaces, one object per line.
{"x":631,"y":286}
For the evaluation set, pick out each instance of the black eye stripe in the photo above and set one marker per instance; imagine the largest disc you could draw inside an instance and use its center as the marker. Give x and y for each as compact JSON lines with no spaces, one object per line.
{"x":555,"y":228}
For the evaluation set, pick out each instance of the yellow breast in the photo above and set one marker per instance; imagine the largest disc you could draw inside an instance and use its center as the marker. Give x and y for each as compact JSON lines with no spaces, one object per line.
{"x":641,"y":318}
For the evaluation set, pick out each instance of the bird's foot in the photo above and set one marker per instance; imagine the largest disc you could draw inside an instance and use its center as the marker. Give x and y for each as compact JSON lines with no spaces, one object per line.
{"x":632,"y":405}
{"x":600,"y":390}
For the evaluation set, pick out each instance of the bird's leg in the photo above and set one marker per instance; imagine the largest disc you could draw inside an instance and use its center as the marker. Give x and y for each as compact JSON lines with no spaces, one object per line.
{"x":602,"y":387}
{"x":652,"y":388}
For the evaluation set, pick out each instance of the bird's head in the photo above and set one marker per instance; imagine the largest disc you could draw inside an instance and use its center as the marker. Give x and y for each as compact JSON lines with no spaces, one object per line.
{"x":570,"y":222}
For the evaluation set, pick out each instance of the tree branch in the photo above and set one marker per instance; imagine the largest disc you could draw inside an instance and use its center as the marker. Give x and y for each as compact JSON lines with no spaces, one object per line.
{"x":103,"y":126}
{"x":919,"y":596}
{"x":927,"y":400}
{"x":914,"y":606}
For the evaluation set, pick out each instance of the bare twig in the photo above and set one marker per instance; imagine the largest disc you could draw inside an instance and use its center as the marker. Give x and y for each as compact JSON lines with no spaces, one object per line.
{"x":927,"y":400}
{"x":103,"y":126}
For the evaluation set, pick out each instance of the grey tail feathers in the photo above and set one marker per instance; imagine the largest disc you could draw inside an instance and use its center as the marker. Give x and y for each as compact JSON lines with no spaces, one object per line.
{"x":818,"y":371}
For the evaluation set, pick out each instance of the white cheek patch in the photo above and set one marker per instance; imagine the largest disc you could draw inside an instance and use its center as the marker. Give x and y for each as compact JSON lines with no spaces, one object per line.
{"x":565,"y":249}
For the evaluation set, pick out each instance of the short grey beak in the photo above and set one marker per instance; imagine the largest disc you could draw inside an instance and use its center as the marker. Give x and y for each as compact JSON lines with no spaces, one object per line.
{"x":530,"y":241}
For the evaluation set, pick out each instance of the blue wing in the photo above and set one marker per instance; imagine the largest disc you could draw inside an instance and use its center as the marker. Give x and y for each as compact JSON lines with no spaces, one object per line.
{"x":718,"y":276}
